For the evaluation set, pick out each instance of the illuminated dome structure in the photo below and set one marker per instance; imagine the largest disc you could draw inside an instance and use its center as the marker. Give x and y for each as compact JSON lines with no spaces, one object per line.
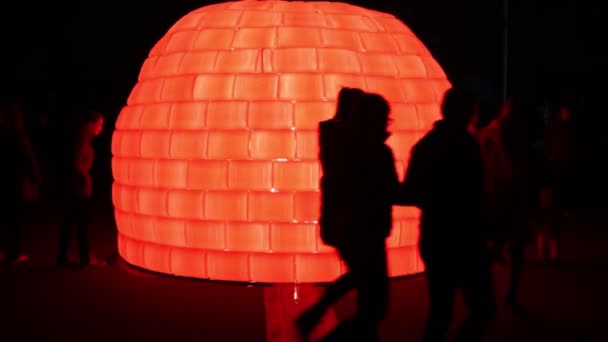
{"x":215,"y":155}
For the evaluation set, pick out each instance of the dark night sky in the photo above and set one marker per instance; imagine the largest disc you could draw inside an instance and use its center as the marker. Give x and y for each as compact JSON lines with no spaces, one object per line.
{"x":95,"y":48}
{"x":89,"y":53}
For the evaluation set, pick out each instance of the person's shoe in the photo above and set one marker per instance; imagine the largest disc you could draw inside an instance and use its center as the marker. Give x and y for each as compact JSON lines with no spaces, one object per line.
{"x":93,"y":262}
{"x":517,"y":308}
{"x":19,"y":259}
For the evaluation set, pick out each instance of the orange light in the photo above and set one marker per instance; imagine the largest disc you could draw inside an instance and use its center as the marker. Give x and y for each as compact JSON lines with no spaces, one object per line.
{"x":215,"y":154}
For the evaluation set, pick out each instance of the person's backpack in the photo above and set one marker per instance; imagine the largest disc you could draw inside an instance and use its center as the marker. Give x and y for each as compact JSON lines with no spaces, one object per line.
{"x":335,"y":185}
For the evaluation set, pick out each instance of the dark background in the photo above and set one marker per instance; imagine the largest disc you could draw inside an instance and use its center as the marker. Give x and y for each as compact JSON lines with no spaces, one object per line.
{"x":60,"y":56}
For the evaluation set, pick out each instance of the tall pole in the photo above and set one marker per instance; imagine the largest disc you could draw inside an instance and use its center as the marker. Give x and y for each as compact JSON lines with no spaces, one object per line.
{"x":505,"y":50}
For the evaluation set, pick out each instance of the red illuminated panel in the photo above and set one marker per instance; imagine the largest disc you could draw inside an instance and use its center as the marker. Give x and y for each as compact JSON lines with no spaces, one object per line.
{"x":215,"y":163}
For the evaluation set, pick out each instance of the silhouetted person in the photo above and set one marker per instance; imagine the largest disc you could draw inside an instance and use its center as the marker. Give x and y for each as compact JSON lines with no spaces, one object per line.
{"x":78,"y":189}
{"x":559,"y":145}
{"x":444,"y":179}
{"x":30,"y":189}
{"x":335,"y":149}
{"x":16,"y":168}
{"x":516,"y":194}
{"x":364,"y":214}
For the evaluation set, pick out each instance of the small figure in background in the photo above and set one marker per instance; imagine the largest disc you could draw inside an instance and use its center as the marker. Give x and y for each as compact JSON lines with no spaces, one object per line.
{"x":78,"y":189}
{"x":18,"y":170}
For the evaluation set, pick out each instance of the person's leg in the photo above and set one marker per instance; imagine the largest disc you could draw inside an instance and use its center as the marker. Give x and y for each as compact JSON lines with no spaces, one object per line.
{"x":372,"y":289}
{"x":82,"y":232}
{"x":306,"y":321}
{"x":559,"y":215}
{"x":517,"y":249}
{"x":549,"y":219}
{"x":12,"y":226}
{"x":478,"y":293}
{"x":335,"y":291}
{"x":553,"y":238}
{"x":441,"y":300}
{"x":540,"y":243}
{"x":69,"y":219}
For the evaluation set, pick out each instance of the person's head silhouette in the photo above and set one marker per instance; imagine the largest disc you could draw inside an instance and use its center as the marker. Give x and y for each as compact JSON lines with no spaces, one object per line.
{"x":91,"y":124}
{"x":371,"y":121}
{"x":348,"y":101}
{"x":458,"y":106}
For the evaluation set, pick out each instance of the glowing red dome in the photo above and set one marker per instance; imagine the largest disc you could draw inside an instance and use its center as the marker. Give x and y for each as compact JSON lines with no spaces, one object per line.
{"x":215,"y":154}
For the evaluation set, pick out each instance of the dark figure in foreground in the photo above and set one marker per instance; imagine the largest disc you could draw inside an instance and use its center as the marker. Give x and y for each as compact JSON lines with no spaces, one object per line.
{"x":78,"y":189}
{"x":359,"y":221}
{"x":445,"y":180}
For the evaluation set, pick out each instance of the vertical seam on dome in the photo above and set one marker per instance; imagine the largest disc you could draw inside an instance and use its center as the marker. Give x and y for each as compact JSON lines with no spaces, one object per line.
{"x":292,"y":196}
{"x":227,"y":179}
{"x":186,"y":243}
{"x":249,"y":148}
{"x":268,"y":226}
{"x":272,"y":174}
{"x":162,"y":90}
{"x":169,"y":261}
{"x":240,"y":18}
{"x":363,"y":51}
{"x":248,"y":200}
{"x":392,"y":35}
{"x":295,"y":134}
{"x":426,"y":70}
{"x":262,"y":68}
{"x":295,"y":269}
{"x":318,"y":63}
{"x":249,"y":268}
{"x":183,"y":53}
{"x":233,"y":91}
{"x":171,"y":145}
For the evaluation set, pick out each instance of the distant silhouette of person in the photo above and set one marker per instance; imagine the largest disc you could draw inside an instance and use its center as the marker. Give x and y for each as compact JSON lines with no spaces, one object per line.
{"x":30,"y":189}
{"x":514,"y":197}
{"x":444,"y":179}
{"x":498,"y":174}
{"x":365,"y":219}
{"x":17,"y":167}
{"x":559,"y":142}
{"x":78,"y":189}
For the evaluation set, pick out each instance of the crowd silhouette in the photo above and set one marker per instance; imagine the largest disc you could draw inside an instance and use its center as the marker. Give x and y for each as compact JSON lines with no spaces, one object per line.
{"x":481,"y":196}
{"x":483,"y":190}
{"x":27,"y":161}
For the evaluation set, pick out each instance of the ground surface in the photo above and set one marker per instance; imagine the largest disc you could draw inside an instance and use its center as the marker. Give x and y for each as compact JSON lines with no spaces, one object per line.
{"x":567,"y":302}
